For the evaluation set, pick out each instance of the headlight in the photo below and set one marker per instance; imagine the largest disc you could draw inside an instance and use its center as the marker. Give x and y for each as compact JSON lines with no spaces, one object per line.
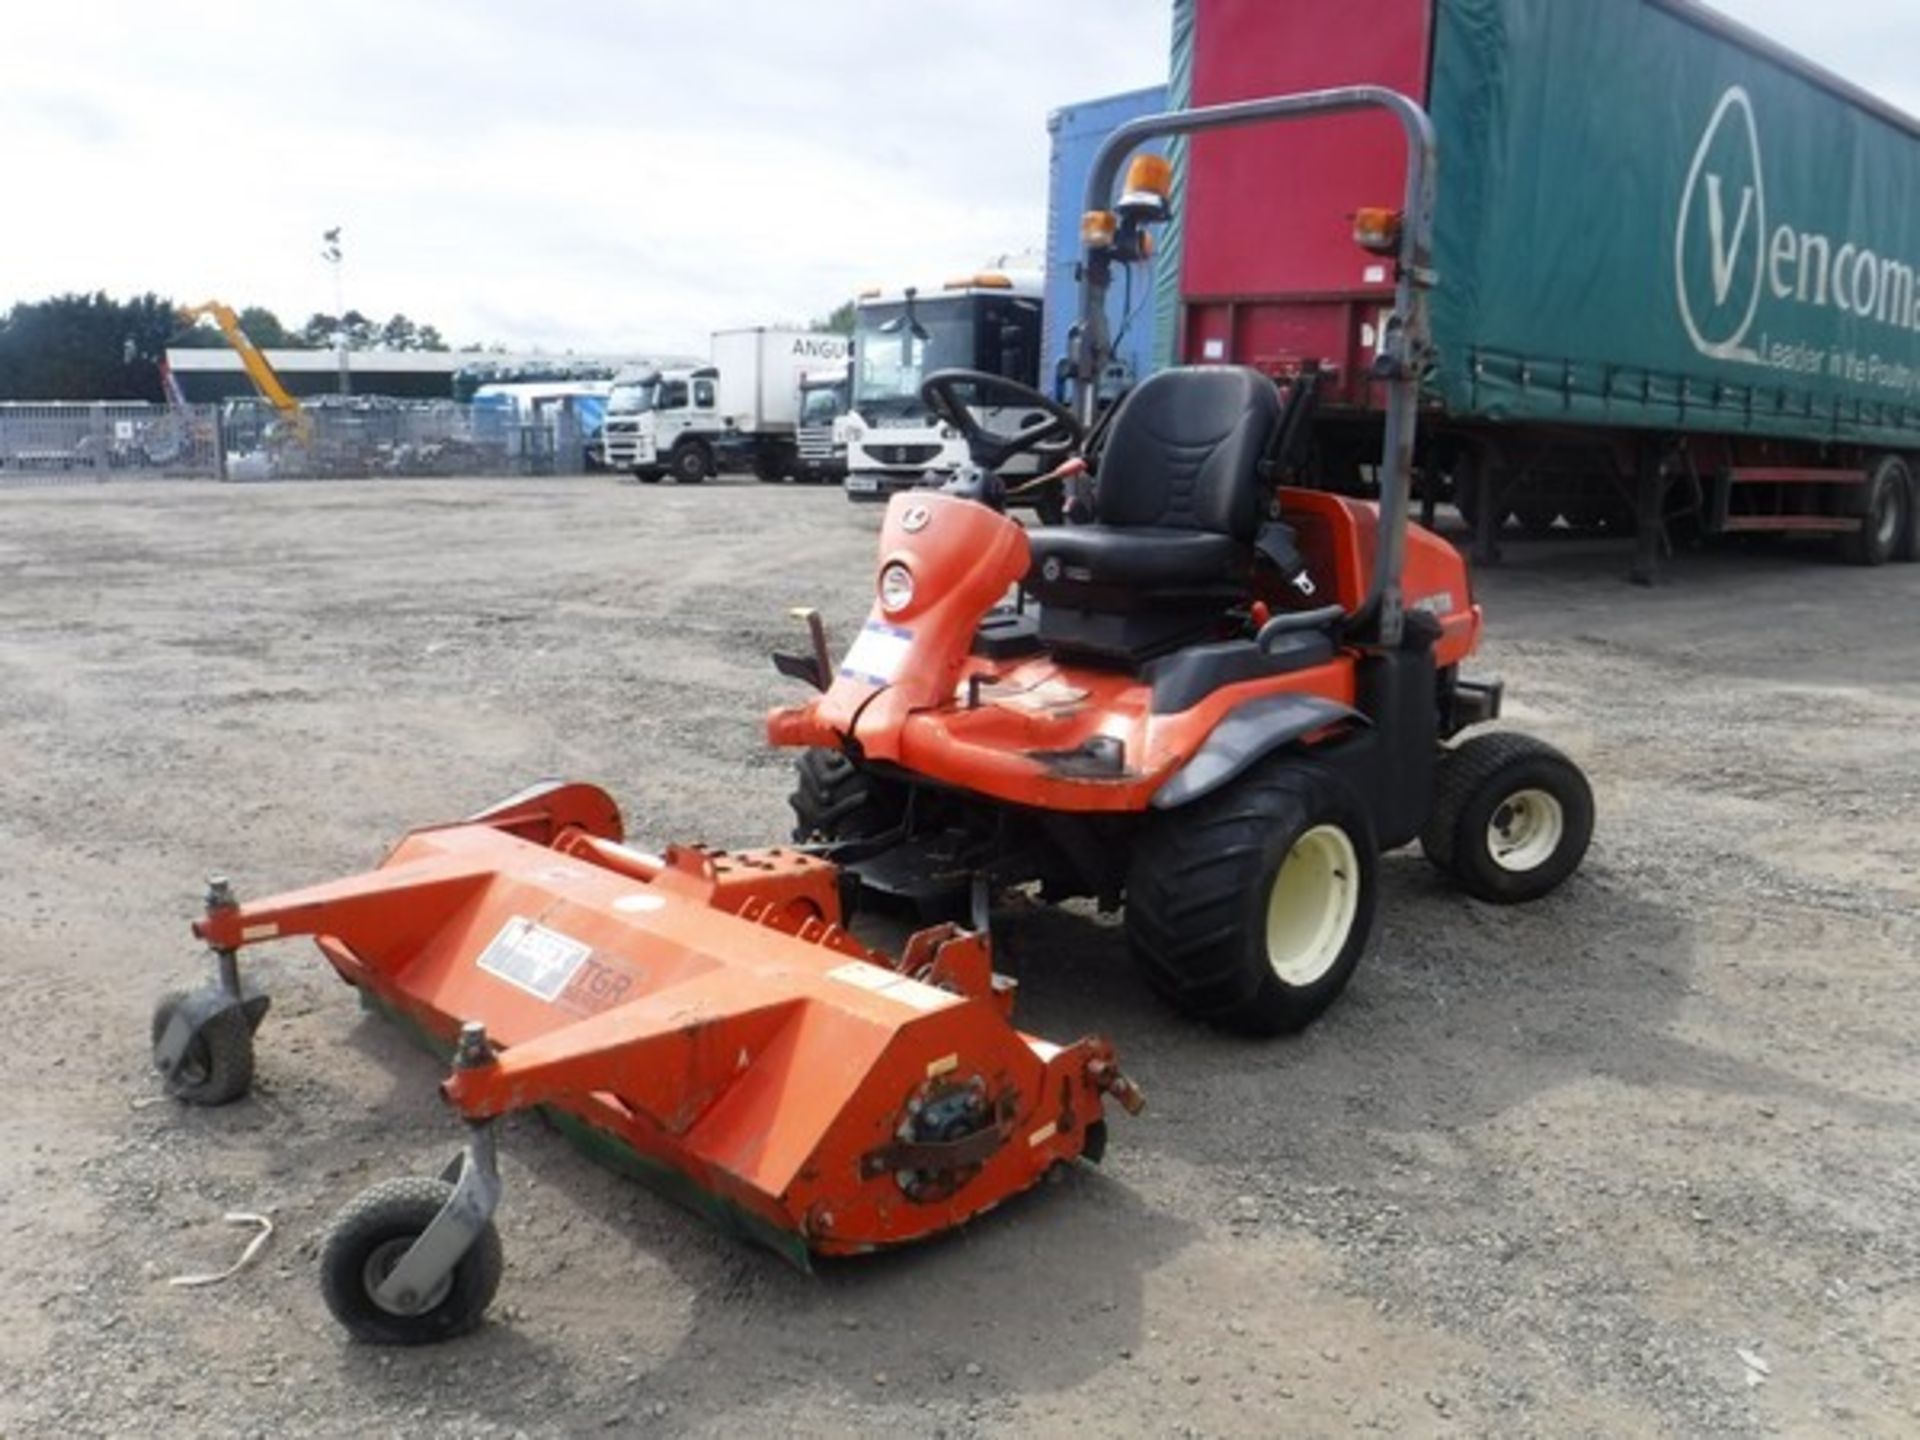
{"x":896,"y":588}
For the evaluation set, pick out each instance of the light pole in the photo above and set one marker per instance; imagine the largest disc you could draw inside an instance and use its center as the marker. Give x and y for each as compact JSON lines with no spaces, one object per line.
{"x":331,"y":252}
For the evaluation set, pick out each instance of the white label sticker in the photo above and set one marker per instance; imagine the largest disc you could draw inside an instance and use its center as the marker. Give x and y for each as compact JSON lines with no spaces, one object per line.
{"x":1374,"y":275}
{"x":876,"y":657}
{"x":893,"y":985}
{"x":538,"y":960}
{"x":1214,"y":350}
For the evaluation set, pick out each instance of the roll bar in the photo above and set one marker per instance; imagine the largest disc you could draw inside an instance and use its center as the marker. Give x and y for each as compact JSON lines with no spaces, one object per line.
{"x":1407,"y":337}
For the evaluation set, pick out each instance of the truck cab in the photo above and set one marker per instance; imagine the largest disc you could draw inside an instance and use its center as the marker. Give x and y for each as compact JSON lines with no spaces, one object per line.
{"x":987,"y":321}
{"x":660,"y":420}
{"x":820,"y":439}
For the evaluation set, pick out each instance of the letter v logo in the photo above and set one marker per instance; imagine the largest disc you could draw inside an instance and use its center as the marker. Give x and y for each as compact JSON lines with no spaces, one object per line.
{"x":1725,"y":256}
{"x":1718,"y":303}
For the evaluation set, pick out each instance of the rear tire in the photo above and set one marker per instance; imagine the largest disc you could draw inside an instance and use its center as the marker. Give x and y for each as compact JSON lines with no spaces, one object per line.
{"x":834,"y":799}
{"x":1512,"y":818}
{"x":1887,"y":520}
{"x":1250,"y":908}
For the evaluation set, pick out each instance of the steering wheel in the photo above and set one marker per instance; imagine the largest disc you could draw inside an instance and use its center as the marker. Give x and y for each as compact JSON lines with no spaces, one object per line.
{"x":1052,"y":437}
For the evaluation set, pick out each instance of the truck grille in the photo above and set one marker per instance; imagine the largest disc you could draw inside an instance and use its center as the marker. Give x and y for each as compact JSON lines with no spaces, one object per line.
{"x":816,"y":443}
{"x":903,"y":454}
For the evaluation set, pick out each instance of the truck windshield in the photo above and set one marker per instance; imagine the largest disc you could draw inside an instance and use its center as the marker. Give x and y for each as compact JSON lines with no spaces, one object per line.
{"x":631,"y":399}
{"x":820,"y":406}
{"x":999,"y":334}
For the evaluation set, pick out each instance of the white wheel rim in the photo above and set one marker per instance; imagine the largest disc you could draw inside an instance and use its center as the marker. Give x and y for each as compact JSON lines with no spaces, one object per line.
{"x":1311,"y":908}
{"x":1525,"y":831}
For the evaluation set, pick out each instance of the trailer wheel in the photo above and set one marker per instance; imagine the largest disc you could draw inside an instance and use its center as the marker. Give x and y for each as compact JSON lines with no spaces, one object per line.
{"x":1250,"y":908}
{"x":1511,"y":819}
{"x":366,"y":1242}
{"x":218,"y":1066}
{"x":691,"y":463}
{"x":834,"y":799}
{"x":1884,"y":519}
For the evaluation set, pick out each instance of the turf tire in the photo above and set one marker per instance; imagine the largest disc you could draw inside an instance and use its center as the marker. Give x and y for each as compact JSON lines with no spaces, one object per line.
{"x":834,"y":799}
{"x":1199,"y":894}
{"x":1473,"y":782}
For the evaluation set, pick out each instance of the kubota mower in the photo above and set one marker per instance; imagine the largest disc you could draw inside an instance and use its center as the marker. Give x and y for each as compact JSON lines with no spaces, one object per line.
{"x":1166,"y":722}
{"x":1213,"y":699}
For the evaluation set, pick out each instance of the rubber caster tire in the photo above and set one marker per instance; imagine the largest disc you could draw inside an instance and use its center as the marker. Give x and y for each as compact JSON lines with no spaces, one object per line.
{"x":1888,"y":517}
{"x":366,"y":1242}
{"x":218,"y":1066}
{"x":1512,"y":818}
{"x":1251,"y":907}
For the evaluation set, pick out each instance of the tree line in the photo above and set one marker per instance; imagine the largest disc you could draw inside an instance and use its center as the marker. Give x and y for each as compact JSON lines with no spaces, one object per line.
{"x":94,"y":347}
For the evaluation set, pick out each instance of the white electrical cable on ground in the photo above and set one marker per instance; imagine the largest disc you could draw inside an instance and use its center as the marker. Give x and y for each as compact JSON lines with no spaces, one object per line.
{"x":247,"y":1256}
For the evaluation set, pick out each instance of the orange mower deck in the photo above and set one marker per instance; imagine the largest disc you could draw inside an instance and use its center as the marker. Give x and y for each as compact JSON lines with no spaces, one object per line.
{"x":707,"y":1012}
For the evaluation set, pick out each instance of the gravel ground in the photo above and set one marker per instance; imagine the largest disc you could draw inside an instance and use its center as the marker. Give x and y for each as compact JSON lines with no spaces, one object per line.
{"x":1540,"y":1172}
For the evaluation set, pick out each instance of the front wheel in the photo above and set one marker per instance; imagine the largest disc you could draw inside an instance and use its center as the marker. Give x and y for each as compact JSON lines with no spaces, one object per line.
{"x":1250,"y":908}
{"x":368,"y":1240}
{"x":1511,"y":819}
{"x":691,"y":464}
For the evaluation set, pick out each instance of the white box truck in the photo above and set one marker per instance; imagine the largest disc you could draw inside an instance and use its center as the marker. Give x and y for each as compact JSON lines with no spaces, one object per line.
{"x":738,"y":412}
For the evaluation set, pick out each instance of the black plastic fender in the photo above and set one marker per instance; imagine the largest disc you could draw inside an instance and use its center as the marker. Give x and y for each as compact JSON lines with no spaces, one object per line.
{"x":1248,"y":735}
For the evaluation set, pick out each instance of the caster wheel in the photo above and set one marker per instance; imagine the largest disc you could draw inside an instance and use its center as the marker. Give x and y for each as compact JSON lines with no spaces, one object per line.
{"x":217,"y":1068}
{"x":367,"y":1241}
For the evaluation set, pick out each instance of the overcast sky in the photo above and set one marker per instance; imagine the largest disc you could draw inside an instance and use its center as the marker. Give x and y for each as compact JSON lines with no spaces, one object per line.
{"x":622,"y":174}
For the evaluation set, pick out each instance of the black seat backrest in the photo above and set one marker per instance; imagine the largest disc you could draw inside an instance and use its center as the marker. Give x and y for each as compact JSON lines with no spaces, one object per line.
{"x":1185,"y":452}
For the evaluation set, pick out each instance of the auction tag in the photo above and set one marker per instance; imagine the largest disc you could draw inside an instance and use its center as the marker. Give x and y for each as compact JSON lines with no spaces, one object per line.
{"x":538,"y":960}
{"x":878,"y":654}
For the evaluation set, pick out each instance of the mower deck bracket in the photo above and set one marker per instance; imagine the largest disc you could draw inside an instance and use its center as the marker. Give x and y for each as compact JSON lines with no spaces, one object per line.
{"x":414,"y":1284}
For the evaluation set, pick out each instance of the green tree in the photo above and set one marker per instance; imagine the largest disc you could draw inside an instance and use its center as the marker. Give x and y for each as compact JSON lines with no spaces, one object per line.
{"x":85,"y":347}
{"x":838,"y":321}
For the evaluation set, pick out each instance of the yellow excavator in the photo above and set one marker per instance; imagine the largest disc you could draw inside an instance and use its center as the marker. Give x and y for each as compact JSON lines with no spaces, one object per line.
{"x":258,"y":370}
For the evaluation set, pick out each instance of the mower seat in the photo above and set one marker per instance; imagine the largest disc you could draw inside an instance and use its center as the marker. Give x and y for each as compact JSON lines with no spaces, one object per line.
{"x":1177,"y":510}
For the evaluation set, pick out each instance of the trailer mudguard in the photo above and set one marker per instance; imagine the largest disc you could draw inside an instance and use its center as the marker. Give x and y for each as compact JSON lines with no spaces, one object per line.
{"x":1247,"y":736}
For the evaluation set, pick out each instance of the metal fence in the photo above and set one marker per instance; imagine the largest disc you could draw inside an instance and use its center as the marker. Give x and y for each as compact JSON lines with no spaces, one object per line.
{"x":243,"y":440}
{"x":50,"y":444}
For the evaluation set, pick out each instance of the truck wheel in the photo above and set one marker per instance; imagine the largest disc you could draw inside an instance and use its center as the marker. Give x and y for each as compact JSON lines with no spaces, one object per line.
{"x":646,"y":475}
{"x":1250,"y":907}
{"x":1887,"y":520}
{"x":767,"y":471}
{"x":1511,"y":818}
{"x":834,"y":799}
{"x":690,"y":463}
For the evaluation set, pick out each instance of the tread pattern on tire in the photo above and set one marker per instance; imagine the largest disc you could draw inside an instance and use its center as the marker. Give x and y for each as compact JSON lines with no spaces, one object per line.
{"x":1461,"y":772}
{"x":1189,"y":885}
{"x":395,"y":1206}
{"x":1459,"y":784}
{"x":834,"y":799}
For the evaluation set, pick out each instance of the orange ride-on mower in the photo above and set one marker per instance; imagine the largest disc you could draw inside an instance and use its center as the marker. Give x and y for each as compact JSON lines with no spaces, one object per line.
{"x":1214,"y":700}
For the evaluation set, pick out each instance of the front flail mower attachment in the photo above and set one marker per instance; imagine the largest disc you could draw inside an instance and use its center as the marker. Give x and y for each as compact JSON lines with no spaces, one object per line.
{"x":702,"y":1016}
